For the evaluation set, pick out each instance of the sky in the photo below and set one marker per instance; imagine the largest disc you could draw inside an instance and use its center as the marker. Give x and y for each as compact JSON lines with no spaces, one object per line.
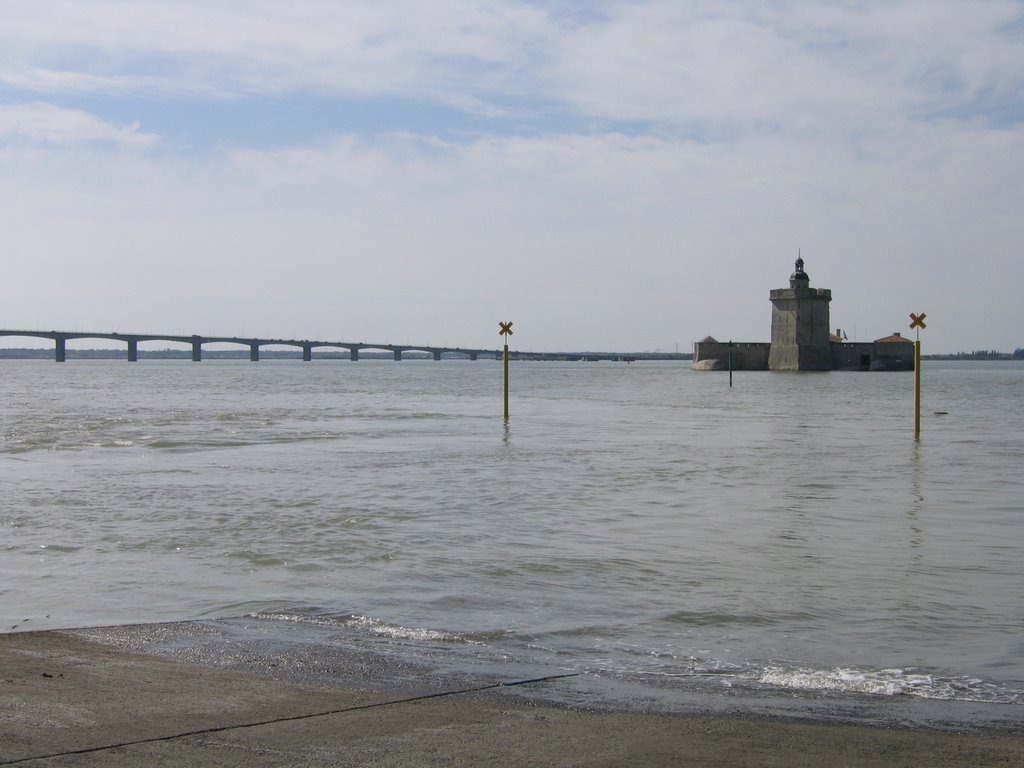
{"x":616,"y":175}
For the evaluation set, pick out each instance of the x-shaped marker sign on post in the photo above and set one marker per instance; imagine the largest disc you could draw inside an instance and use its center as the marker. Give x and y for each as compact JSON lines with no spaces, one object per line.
{"x":506,"y":328}
{"x":917,"y":321}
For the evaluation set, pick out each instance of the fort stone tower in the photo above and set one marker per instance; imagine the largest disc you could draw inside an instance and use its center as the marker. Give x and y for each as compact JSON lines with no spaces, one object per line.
{"x":800,"y":325}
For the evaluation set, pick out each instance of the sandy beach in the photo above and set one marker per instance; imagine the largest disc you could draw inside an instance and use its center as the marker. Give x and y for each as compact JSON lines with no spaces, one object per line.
{"x":67,"y":701}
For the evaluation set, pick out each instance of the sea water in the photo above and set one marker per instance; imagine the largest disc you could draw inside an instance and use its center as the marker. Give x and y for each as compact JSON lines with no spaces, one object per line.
{"x":779,"y":545}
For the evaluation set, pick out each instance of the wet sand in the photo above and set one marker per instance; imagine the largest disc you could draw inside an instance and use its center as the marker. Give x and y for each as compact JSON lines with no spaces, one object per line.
{"x":68,"y":701}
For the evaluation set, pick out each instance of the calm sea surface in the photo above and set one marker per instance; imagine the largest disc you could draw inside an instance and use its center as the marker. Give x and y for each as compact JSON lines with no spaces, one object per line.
{"x":781,"y":545}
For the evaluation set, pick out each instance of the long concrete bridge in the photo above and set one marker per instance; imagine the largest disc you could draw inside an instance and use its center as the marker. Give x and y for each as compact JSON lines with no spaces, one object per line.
{"x":132,"y":340}
{"x":60,"y":339}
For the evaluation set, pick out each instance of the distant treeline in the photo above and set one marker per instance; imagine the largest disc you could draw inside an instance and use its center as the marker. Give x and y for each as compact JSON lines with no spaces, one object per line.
{"x":980,"y":354}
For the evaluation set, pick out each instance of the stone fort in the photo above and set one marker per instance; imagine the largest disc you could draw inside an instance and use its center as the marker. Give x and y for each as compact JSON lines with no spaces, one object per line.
{"x":802,"y":339}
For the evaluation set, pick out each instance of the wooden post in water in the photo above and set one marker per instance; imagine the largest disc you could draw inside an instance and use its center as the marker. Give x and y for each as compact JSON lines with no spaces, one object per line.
{"x":917,"y":323}
{"x":730,"y":362}
{"x":506,"y":331}
{"x":917,"y":388}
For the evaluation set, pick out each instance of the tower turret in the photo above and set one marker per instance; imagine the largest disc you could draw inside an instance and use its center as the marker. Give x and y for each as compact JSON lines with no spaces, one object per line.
{"x":799,"y":277}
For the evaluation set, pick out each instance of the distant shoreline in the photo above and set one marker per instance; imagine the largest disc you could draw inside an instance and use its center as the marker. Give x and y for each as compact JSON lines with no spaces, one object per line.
{"x":46,"y":353}
{"x":975,"y":357}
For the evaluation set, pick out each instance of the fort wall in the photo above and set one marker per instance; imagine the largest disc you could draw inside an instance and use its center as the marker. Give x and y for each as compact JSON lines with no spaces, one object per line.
{"x":712,"y":355}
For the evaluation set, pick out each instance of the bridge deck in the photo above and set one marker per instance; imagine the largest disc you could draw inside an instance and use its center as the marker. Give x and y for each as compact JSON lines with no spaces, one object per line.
{"x":196,"y":342}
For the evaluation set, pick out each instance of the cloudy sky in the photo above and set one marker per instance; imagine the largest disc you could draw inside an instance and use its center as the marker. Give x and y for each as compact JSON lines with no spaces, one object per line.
{"x":610,"y":174}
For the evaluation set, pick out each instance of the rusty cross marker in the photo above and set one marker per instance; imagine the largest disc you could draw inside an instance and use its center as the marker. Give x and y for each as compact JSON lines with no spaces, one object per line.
{"x":506,"y":328}
{"x":917,"y":321}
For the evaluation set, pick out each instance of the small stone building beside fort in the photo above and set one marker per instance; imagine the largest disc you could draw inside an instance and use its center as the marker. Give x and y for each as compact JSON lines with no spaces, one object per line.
{"x":802,"y":339}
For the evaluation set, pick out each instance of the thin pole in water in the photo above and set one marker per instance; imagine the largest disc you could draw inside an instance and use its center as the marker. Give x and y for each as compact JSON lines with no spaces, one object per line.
{"x":506,"y":331}
{"x":730,"y":362}
{"x":917,"y":388}
{"x":917,"y":323}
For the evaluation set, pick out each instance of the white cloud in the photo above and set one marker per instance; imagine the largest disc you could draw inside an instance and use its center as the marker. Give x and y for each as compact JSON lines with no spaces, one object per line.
{"x":41,"y":80}
{"x":810,"y":67}
{"x":41,"y":122}
{"x":799,"y":66}
{"x":357,"y":47}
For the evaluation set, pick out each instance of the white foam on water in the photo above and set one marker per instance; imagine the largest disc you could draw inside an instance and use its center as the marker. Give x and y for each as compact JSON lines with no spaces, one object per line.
{"x":398,"y":632}
{"x":373,"y":626}
{"x":885,"y":682}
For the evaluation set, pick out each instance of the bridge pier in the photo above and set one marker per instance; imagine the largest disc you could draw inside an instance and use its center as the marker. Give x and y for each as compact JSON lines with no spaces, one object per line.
{"x":437,"y":354}
{"x":197,"y":350}
{"x":133,"y":351}
{"x":398,"y":354}
{"x":254,"y":353}
{"x":60,"y":353}
{"x":307,"y":352}
{"x":472,"y":355}
{"x":353,"y":354}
